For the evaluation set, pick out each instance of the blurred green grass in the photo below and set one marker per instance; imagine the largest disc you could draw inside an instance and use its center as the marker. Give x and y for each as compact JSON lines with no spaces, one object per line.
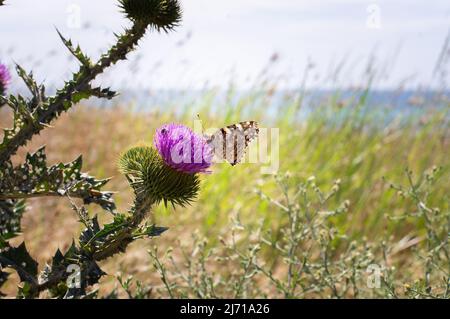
{"x":337,"y":140}
{"x":355,"y":144}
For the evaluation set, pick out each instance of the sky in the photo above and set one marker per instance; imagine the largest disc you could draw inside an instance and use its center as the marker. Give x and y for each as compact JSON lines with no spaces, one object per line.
{"x":322,"y":43}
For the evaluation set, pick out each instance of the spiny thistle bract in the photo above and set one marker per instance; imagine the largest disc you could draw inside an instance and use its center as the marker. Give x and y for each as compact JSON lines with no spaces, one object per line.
{"x":5,"y":77}
{"x":161,"y":14}
{"x":150,"y":176}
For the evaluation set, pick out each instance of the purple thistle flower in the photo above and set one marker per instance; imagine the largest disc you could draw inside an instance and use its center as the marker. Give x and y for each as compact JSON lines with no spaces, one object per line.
{"x":5,"y":77}
{"x":182,"y":149}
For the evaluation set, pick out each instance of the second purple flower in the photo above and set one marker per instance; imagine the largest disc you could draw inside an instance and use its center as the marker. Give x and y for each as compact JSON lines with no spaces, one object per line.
{"x":5,"y":77}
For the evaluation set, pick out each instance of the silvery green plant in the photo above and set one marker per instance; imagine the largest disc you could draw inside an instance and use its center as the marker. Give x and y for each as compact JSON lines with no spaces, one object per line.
{"x":152,"y":176}
{"x":308,"y":255}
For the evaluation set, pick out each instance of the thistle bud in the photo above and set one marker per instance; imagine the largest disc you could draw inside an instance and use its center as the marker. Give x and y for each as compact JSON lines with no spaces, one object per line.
{"x":150,"y":176}
{"x":160,"y":14}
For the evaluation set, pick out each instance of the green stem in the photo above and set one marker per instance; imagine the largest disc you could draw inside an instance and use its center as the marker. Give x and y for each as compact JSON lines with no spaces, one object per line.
{"x":58,"y":103}
{"x":124,"y":237}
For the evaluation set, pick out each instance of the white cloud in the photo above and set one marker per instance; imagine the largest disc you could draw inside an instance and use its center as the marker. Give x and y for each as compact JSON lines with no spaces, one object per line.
{"x":240,"y":34}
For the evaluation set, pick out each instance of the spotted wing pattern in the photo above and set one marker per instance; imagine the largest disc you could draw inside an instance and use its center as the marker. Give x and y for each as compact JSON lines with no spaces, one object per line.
{"x":231,"y":142}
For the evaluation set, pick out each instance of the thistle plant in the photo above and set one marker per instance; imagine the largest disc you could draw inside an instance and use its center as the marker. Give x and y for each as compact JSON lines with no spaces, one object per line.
{"x":151,"y":176}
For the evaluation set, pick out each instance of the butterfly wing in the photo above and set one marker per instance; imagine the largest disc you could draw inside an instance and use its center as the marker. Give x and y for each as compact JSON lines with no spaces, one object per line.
{"x":231,"y":142}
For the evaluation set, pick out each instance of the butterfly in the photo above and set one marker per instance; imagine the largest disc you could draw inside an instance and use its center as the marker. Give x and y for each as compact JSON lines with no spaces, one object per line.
{"x":231,"y":142}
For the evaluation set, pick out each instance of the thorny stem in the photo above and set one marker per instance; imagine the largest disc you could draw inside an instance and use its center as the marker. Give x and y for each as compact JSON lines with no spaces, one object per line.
{"x":117,"y":244}
{"x":120,"y":241}
{"x":86,"y":74}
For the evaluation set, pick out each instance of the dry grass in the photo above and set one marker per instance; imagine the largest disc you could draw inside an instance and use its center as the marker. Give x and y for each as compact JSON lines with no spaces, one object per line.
{"x":359,"y":157}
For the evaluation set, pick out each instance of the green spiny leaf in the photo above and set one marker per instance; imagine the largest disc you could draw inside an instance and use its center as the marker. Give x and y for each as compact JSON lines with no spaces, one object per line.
{"x":20,"y":260}
{"x":38,"y":91}
{"x":33,"y":178}
{"x":76,"y":51}
{"x":152,"y":231}
{"x":120,"y":221}
{"x":11,"y":212}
